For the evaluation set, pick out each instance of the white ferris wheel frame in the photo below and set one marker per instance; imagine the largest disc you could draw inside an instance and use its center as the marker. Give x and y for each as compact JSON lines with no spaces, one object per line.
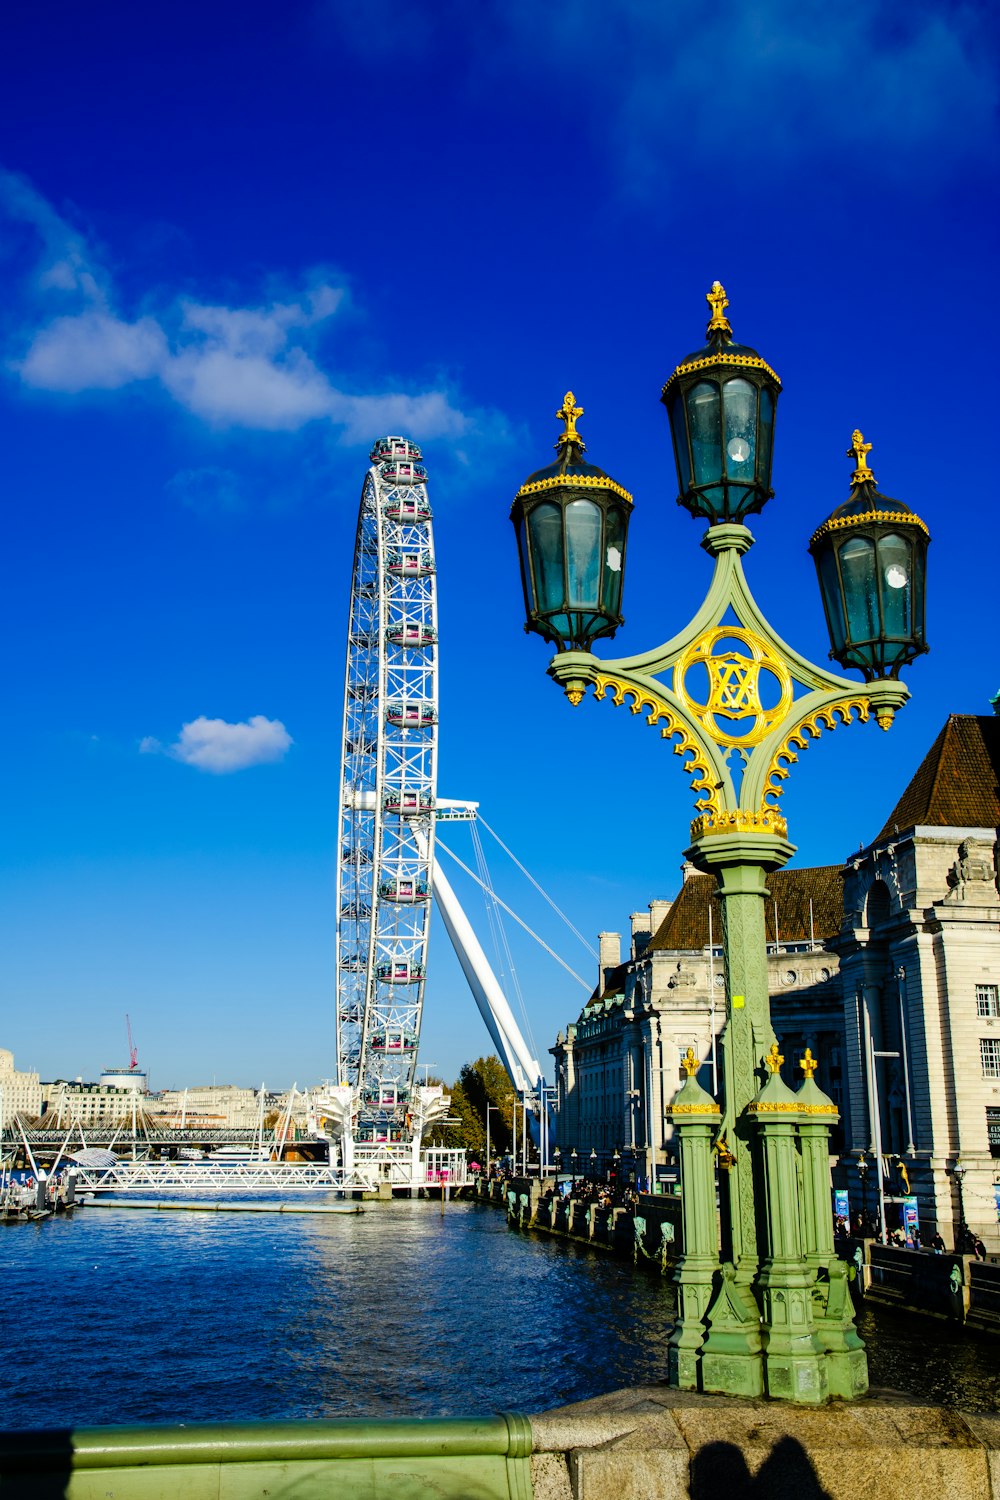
{"x":388,"y":769}
{"x":388,"y":810}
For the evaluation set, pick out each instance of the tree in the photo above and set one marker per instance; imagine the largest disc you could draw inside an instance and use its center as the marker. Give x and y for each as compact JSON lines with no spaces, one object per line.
{"x":485,"y":1082}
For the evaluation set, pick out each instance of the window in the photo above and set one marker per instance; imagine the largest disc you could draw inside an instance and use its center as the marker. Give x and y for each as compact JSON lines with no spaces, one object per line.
{"x":987,"y":1000}
{"x":993,"y":1130}
{"x":989,"y":1051}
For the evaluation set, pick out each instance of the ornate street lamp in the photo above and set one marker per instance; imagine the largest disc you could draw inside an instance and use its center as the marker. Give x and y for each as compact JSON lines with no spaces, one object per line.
{"x":862,"y":1174}
{"x":961,"y":1239}
{"x":764,"y":1310}
{"x":571,"y":521}
{"x":871,"y":559}
{"x":572,"y":1159}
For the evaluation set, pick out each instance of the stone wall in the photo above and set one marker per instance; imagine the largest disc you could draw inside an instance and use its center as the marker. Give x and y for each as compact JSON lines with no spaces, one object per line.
{"x":653,"y":1442}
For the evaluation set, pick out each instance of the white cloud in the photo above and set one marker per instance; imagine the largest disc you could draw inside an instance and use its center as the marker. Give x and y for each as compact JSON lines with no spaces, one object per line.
{"x":251,"y":367}
{"x":220,"y":747}
{"x":93,"y":351}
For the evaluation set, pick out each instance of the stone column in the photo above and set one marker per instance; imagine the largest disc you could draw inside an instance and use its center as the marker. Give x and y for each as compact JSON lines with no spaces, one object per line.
{"x":795,"y":1365}
{"x":695,"y":1117}
{"x":846,"y":1361}
{"x":732,"y":1360}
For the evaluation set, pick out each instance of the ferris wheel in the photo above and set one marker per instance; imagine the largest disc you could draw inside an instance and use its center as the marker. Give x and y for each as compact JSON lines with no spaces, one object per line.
{"x":387,"y":798}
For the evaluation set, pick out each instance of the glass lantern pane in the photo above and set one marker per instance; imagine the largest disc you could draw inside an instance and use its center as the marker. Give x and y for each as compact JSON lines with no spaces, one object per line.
{"x":895,"y":568}
{"x":829,"y":582}
{"x":545,"y":530}
{"x":857,"y":568}
{"x":706,"y":431}
{"x":678,"y":429}
{"x":583,"y":554}
{"x":526,"y":578}
{"x":614,"y":554}
{"x":739,"y":398}
{"x":765,"y":438}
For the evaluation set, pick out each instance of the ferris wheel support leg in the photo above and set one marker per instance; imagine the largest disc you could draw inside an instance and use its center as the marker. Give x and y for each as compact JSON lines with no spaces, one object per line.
{"x":525,"y":1074}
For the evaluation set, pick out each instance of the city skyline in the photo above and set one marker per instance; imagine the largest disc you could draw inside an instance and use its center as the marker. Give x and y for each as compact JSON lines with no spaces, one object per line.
{"x":236,"y":251}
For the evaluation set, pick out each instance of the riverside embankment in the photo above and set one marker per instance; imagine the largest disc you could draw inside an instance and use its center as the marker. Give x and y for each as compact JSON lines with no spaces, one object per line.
{"x":957,"y":1288}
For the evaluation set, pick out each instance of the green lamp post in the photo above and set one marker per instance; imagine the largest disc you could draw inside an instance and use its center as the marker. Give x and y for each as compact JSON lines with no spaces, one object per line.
{"x":738,"y":704}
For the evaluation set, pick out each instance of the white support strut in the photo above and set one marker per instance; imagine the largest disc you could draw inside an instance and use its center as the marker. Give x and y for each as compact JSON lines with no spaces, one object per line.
{"x":524,"y":1071}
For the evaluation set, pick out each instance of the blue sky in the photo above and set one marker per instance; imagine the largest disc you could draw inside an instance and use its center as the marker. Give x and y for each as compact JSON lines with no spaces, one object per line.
{"x":237,"y":243}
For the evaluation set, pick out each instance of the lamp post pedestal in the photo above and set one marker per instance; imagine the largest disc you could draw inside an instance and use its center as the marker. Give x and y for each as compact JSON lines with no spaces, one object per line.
{"x":696,"y":1119}
{"x":732,"y":1354}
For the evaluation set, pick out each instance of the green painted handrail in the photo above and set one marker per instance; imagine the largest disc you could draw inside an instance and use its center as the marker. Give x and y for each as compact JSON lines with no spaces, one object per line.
{"x":507,"y":1436}
{"x":486,"y":1457}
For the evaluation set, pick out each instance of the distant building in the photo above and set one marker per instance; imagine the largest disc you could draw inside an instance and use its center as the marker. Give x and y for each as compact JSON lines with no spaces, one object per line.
{"x":133,"y":1079}
{"x":887,"y":967}
{"x":20,"y":1093}
{"x":67,"y":1102}
{"x":223,"y":1104}
{"x":920,"y":966}
{"x":619,"y":1064}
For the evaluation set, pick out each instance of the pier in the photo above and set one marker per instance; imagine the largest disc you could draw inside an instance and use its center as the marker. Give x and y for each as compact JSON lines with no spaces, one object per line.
{"x":194,"y":1206}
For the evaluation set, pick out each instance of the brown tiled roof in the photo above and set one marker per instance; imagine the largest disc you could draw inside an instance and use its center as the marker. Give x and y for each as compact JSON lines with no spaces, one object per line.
{"x":685,"y":927}
{"x":613,"y":985}
{"x":957,"y":784}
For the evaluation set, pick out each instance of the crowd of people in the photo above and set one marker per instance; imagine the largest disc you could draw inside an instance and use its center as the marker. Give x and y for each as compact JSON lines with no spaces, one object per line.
{"x":864,"y":1226}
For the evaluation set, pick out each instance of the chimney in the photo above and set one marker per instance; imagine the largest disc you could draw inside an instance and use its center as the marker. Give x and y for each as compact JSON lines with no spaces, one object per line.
{"x":657,"y":914}
{"x":610,"y":948}
{"x":640,"y":931}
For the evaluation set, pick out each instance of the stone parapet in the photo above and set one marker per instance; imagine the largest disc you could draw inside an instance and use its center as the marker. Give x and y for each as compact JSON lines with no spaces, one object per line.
{"x":675,"y":1445}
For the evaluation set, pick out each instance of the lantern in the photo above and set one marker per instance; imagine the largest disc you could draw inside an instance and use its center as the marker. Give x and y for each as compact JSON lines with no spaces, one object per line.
{"x":871,"y":559}
{"x":571,"y":521}
{"x":721,"y":402}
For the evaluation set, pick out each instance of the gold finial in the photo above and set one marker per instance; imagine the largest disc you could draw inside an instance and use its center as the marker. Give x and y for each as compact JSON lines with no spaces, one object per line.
{"x":718,"y":302}
{"x":808,"y":1064}
{"x":568,"y":413}
{"x":726,"y":1158}
{"x":859,"y":451}
{"x":690,"y":1063}
{"x":774,"y":1058}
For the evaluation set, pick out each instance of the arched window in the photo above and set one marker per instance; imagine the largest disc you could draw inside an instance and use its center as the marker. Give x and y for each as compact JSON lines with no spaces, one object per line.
{"x":878,"y":904}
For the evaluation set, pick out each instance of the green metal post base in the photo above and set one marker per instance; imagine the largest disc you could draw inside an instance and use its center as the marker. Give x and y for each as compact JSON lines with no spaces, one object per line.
{"x":695,"y":1115}
{"x":732,"y":1362}
{"x":846,"y":1360}
{"x":795,"y":1365}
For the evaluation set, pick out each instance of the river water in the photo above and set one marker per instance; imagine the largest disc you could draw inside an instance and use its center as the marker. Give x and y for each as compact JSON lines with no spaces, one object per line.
{"x":116,"y":1315}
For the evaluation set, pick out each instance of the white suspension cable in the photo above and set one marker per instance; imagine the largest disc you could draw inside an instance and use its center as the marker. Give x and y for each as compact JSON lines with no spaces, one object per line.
{"x":481,"y":861}
{"x":544,"y":894}
{"x":439,"y":843}
{"x":492,"y":915}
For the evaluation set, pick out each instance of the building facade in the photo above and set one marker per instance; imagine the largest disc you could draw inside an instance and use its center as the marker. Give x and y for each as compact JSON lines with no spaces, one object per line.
{"x":619,"y":1064}
{"x":67,"y":1102}
{"x":920,"y":969}
{"x":20,"y":1093}
{"x":888,"y":968}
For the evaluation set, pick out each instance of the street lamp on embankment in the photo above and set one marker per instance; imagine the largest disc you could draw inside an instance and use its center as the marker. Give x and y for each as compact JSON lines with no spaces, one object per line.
{"x":764,"y":1309}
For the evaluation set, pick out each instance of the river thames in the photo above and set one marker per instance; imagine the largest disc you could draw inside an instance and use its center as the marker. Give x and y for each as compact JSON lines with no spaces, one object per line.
{"x":118,"y":1315}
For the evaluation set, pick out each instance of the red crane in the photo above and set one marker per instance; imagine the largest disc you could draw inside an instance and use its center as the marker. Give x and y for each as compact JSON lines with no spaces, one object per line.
{"x":133,"y":1053}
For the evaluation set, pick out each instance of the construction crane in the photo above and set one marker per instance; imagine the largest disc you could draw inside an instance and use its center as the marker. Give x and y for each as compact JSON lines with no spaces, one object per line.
{"x":133,"y":1051}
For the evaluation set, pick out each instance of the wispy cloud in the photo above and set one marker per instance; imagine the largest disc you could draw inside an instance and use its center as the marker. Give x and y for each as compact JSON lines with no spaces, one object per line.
{"x":253,"y":367}
{"x":743,"y":89}
{"x":209,"y":491}
{"x":217,"y":746}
